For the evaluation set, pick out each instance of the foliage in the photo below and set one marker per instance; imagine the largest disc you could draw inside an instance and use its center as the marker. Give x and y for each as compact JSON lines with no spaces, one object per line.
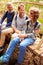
{"x":3,"y":7}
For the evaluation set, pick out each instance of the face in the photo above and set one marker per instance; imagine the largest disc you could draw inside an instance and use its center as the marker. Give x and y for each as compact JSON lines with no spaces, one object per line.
{"x":22,"y":11}
{"x":9,"y":7}
{"x":34,"y":15}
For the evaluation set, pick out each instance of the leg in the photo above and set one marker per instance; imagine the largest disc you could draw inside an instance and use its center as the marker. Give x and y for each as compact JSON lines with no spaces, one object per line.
{"x":26,"y":42}
{"x":10,"y":49}
{"x":14,"y":35}
{"x":3,"y":34}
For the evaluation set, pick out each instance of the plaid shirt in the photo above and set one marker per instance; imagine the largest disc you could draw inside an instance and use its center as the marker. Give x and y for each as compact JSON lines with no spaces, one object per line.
{"x":31,"y":29}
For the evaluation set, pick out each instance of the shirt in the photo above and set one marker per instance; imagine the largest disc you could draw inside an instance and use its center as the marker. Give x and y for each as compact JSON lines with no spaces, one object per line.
{"x":20,"y":23}
{"x":9,"y":16}
{"x":31,"y":28}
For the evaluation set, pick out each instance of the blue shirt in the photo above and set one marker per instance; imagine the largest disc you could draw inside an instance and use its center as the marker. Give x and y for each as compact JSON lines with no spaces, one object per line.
{"x":9,"y":16}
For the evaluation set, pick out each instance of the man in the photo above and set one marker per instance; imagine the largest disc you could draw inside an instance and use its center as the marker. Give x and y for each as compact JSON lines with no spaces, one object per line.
{"x":32,"y":28}
{"x":19,"y":20}
{"x":7,"y":29}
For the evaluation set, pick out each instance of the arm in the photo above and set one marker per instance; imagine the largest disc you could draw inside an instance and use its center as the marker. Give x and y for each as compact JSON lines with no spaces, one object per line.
{"x":23,"y":35}
{"x":14,"y":26}
{"x":34,"y":33}
{"x":37,"y":29}
{"x":4,"y":16}
{"x":17,"y":31}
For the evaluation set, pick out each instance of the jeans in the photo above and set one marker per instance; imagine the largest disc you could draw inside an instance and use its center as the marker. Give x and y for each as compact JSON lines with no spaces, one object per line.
{"x":26,"y":42}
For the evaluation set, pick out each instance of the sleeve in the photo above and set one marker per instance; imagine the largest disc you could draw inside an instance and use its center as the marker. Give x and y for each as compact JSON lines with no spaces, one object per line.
{"x":32,"y":35}
{"x":14,"y":22}
{"x":4,"y":16}
{"x":38,"y":26}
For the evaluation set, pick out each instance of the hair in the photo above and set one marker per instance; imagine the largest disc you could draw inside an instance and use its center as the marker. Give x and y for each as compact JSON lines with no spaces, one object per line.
{"x":21,"y":4}
{"x":9,"y":3}
{"x":34,"y":9}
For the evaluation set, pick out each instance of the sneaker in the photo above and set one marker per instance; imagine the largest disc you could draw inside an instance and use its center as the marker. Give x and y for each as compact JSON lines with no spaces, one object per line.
{"x":1,"y":58}
{"x":2,"y":61}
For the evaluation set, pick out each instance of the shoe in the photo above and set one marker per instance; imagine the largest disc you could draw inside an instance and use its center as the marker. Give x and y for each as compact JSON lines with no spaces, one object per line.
{"x":3,"y":60}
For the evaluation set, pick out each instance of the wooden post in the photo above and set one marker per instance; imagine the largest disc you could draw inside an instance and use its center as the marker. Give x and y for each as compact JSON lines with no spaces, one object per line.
{"x":40,"y":43}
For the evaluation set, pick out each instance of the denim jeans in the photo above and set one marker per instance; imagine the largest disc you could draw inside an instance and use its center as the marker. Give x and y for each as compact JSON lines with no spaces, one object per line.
{"x":26,"y":42}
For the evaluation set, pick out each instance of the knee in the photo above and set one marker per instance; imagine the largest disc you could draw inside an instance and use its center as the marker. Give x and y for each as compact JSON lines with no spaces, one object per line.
{"x":15,"y":40}
{"x":3,"y":32}
{"x":22,"y":46}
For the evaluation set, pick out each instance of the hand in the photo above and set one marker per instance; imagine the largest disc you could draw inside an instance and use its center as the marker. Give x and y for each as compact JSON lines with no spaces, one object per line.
{"x":37,"y":32}
{"x":3,"y":27}
{"x":22,"y":35}
{"x":21,"y":39}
